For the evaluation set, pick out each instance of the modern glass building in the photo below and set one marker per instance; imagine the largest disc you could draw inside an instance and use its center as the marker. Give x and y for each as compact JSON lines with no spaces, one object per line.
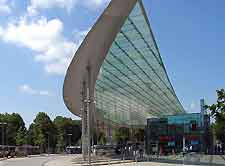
{"x":132,"y":83}
{"x":117,"y":75}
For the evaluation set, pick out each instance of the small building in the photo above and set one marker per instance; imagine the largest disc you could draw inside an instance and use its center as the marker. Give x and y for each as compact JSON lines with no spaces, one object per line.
{"x":173,"y":133}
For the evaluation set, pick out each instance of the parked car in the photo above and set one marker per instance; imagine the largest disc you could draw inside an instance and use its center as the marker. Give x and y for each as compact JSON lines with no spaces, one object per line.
{"x":73,"y":150}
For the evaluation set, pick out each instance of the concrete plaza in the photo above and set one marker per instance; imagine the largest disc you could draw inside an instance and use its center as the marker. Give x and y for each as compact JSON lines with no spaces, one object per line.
{"x":76,"y":160}
{"x":203,"y":160}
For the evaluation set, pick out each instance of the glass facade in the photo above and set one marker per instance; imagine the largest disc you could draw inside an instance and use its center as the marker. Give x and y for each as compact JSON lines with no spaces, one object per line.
{"x":133,"y":84}
{"x":168,"y":133}
{"x":185,"y":119}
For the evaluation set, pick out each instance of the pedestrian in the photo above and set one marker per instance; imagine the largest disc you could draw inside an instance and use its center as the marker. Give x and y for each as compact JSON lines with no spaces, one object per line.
{"x":141,"y":153}
{"x":215,"y":149}
{"x":191,"y":148}
{"x":218,"y":149}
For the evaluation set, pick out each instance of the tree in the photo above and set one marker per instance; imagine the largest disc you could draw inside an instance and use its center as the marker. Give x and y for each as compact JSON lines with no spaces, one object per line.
{"x":61,"y":123}
{"x":121,"y":135}
{"x":14,"y":122}
{"x":218,"y":112}
{"x":68,"y":131}
{"x":76,"y":132}
{"x":21,"y":137}
{"x":44,"y":132}
{"x":139,"y":135}
{"x":30,"y":134}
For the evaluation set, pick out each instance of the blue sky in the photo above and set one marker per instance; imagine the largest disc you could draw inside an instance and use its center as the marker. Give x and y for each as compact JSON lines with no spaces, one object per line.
{"x":39,"y":37}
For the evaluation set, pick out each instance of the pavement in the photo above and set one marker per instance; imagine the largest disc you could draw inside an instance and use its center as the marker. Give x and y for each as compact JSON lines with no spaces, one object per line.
{"x":63,"y":160}
{"x":37,"y":160}
{"x":203,"y":160}
{"x":76,"y":160}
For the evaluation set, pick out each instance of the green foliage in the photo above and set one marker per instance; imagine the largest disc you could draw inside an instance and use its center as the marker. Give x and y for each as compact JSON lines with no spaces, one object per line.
{"x":218,"y":112}
{"x":218,"y":109}
{"x":42,"y":132}
{"x":139,"y":135}
{"x":102,"y":138}
{"x":121,"y":135}
{"x":14,"y":123}
{"x":30,"y":135}
{"x":69,"y":131}
{"x":21,"y":137}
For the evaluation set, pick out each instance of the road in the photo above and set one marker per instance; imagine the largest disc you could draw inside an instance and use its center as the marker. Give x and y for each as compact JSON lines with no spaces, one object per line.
{"x":33,"y":161}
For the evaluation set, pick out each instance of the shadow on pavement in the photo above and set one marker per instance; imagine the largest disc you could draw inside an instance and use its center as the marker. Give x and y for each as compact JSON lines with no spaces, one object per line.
{"x":209,"y":161}
{"x":168,"y":161}
{"x":99,"y":162}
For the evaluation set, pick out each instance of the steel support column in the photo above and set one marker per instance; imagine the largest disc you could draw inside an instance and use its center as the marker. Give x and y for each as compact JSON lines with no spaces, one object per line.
{"x":86,"y":117}
{"x":84,"y":122}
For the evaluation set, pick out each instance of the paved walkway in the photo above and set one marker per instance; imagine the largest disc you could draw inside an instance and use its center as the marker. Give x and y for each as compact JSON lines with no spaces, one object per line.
{"x":62,"y":161}
{"x":70,"y":161}
{"x":33,"y":161}
{"x":76,"y":160}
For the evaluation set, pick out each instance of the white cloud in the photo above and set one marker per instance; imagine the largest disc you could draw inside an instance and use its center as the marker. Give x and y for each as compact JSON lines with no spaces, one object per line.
{"x":45,"y":93}
{"x":1,"y":31}
{"x":45,"y":38}
{"x":4,"y":7}
{"x":26,"y":89}
{"x":194,"y":107}
{"x":36,"y":5}
{"x":94,"y":4}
